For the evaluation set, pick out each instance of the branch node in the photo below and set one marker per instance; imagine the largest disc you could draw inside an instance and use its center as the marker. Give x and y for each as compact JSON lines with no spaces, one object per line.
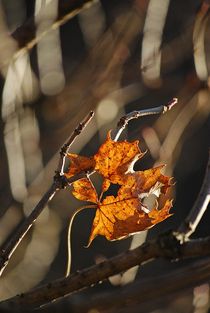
{"x":79,"y":128}
{"x":169,"y":245}
{"x":188,"y":229}
{"x":122,"y":122}
{"x":60,"y":180}
{"x":4,"y":258}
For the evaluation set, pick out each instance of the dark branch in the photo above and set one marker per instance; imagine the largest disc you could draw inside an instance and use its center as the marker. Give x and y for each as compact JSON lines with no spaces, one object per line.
{"x":165,"y":246}
{"x":8,"y":249}
{"x":26,"y":33}
{"x":149,"y":292}
{"x":122,"y":124}
{"x":59,"y":183}
{"x":192,"y":220}
{"x":65,"y":148}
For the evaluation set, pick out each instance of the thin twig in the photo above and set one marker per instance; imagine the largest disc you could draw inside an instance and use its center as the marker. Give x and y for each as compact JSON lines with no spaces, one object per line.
{"x":59,"y":183}
{"x":137,"y":114}
{"x":165,"y":246}
{"x":61,"y":21}
{"x":9,"y":248}
{"x":121,"y":126}
{"x":199,"y":208}
{"x":65,"y":148}
{"x":60,"y":180}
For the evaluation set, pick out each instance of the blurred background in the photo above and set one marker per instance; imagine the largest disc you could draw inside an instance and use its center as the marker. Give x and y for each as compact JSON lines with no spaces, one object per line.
{"x":111,"y":56}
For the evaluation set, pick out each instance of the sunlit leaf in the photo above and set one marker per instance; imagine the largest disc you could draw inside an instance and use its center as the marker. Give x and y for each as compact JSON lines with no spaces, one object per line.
{"x":126,"y":213}
{"x":113,"y":159}
{"x":84,"y":190}
{"x":78,"y":164}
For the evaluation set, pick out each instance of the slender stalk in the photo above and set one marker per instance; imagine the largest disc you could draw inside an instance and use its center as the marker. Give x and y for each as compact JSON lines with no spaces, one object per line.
{"x":199,"y":208}
{"x":9,"y":248}
{"x":68,"y":267}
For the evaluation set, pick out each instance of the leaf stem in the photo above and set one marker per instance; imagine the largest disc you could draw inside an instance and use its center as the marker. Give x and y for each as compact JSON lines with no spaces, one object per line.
{"x":90,"y":206}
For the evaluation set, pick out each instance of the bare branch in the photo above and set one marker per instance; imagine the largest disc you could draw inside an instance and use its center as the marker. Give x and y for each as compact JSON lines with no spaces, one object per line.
{"x":137,"y":114}
{"x":145,"y":293}
{"x":59,"y":183}
{"x":65,"y":148}
{"x":12,"y":244}
{"x":120,"y":126}
{"x":193,"y":219}
{"x":73,"y":11}
{"x":123,"y":123}
{"x":165,"y":246}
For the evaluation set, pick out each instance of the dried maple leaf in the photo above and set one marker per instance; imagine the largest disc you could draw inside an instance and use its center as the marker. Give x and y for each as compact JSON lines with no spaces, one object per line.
{"x":123,"y":215}
{"x":78,"y":164}
{"x":148,"y":181}
{"x":120,"y":216}
{"x":113,"y":159}
{"x":84,"y":190}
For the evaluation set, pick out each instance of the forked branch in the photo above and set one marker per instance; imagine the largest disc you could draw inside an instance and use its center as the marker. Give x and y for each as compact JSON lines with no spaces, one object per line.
{"x":65,"y":148}
{"x":124,"y":120}
{"x":137,"y":114}
{"x":59,"y":183}
{"x":60,"y":180}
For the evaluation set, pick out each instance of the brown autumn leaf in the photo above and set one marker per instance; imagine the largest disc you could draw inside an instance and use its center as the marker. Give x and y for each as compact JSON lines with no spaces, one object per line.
{"x":112,"y":160}
{"x":78,"y":164}
{"x":84,"y":190}
{"x":148,"y":181}
{"x":123,"y":215}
